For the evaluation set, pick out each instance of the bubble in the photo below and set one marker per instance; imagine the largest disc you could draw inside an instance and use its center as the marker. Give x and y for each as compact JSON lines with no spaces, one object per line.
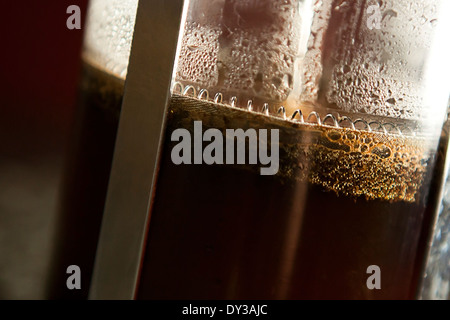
{"x":334,"y":135}
{"x":382,"y":151}
{"x":350,"y":136}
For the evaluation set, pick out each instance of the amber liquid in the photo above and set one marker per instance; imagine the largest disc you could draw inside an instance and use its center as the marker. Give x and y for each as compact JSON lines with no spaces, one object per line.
{"x":227,"y":232}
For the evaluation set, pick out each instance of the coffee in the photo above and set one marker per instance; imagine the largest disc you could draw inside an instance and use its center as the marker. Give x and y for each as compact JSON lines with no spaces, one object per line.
{"x":342,"y":200}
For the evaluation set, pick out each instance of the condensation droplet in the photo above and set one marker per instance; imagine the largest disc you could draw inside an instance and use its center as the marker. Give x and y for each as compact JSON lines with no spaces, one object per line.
{"x":287,"y":80}
{"x":192,"y":47}
{"x":391,"y":102}
{"x":346,"y":69}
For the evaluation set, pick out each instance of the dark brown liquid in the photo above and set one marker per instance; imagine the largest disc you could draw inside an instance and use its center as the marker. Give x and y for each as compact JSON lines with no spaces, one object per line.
{"x":309,"y":232}
{"x":85,"y":181}
{"x":226,"y":232}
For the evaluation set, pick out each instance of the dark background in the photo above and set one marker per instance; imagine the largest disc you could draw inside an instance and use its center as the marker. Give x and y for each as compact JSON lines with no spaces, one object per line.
{"x":38,"y":80}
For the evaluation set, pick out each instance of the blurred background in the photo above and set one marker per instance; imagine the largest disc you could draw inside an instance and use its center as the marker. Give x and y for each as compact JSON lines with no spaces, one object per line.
{"x":38,"y":80}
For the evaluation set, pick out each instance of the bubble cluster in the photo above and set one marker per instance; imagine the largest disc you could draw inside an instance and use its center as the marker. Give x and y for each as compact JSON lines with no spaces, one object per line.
{"x":373,"y":165}
{"x":368,"y":164}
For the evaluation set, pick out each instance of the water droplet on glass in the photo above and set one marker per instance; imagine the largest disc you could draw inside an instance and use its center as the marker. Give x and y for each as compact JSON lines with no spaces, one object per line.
{"x":287,"y":80}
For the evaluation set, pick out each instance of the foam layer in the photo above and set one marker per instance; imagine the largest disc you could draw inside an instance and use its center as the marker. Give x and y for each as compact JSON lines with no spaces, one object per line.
{"x":353,"y":163}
